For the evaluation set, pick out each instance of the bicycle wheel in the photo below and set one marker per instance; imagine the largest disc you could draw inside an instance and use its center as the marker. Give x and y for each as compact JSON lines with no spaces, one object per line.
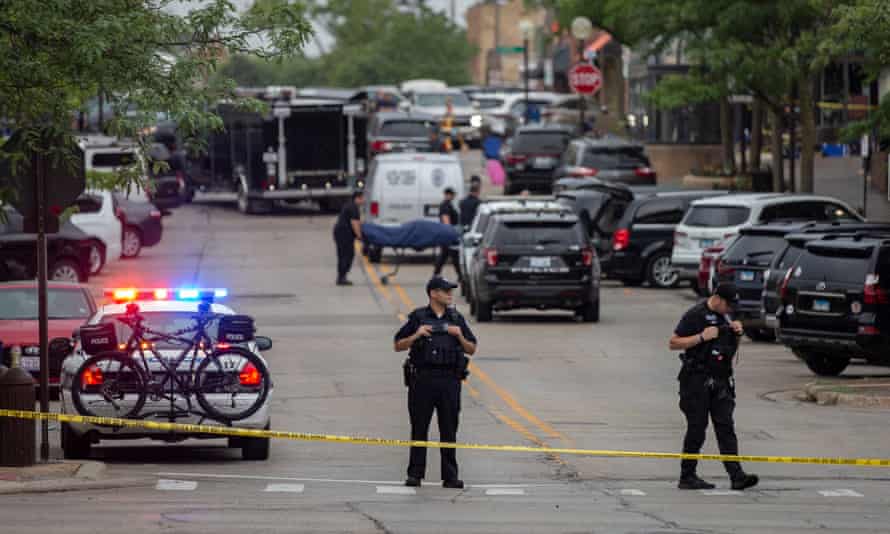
{"x":110,"y":384}
{"x":232,"y":384}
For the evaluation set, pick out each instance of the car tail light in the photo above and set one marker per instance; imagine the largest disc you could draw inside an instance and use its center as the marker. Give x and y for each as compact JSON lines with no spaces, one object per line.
{"x":874,"y":293}
{"x":375,"y":209}
{"x":645,"y":172}
{"x":783,"y":287}
{"x":621,"y":239}
{"x":92,"y":377}
{"x":869,"y":331}
{"x":250,"y":375}
{"x":381,"y":146}
{"x":678,"y":236}
{"x":723,"y":269}
{"x":583,"y":172}
{"x":119,"y":213}
{"x":491,"y":257}
{"x":587,"y":257}
{"x":513,"y":159}
{"x":155,"y":214}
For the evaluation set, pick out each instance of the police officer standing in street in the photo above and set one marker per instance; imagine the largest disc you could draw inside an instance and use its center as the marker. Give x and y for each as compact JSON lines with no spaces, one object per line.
{"x":448,"y":215}
{"x":709,"y":338}
{"x":470,"y":205}
{"x":347,"y":229}
{"x":439,"y":341}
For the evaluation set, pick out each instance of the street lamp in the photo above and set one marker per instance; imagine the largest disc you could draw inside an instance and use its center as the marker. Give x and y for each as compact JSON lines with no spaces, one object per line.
{"x":527,"y":28}
{"x":582,"y":28}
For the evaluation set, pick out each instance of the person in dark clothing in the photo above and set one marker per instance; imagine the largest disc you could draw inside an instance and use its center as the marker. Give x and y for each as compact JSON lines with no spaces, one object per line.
{"x":448,"y":215}
{"x":347,"y":229}
{"x":709,"y":338}
{"x":470,"y":205}
{"x":436,"y":142}
{"x":439,"y":341}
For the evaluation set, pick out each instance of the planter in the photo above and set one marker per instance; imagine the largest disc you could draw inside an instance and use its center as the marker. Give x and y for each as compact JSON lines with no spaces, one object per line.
{"x":732,"y":183}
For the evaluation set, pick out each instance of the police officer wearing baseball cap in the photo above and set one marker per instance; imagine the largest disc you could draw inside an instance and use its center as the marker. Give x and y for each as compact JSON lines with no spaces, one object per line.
{"x":708,"y":337}
{"x":439,"y":341}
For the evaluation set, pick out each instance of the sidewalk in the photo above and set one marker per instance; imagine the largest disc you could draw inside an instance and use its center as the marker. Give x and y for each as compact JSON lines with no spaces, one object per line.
{"x":62,"y":476}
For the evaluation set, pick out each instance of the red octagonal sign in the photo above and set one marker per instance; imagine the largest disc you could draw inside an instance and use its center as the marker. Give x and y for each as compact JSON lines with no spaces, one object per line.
{"x":585,"y":79}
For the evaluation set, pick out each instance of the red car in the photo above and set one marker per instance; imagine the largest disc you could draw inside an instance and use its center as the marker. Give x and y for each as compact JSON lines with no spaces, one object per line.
{"x":69,"y":305}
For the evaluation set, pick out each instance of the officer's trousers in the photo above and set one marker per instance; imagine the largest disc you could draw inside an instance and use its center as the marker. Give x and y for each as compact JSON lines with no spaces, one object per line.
{"x":437,"y":391}
{"x":699,"y":402}
{"x":444,"y":254}
{"x":345,"y":253}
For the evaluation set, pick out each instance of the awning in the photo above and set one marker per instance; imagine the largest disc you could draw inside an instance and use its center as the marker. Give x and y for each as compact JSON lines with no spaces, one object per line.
{"x":601,"y":40}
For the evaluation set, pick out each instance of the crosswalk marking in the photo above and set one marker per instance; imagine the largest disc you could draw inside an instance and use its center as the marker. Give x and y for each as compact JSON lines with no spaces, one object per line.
{"x":285,"y":488}
{"x":718,"y":492}
{"x":176,"y":485}
{"x":396,"y":490}
{"x":840,"y":493}
{"x":505,"y":491}
{"x":633,"y":492}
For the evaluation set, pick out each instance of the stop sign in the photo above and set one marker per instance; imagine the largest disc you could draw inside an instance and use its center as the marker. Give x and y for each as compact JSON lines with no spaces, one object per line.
{"x":585,"y":79}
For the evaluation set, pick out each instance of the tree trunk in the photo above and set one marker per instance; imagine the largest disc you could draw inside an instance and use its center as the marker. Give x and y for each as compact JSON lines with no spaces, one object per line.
{"x":775,"y":117}
{"x":807,"y":134}
{"x":756,"y":134}
{"x":726,"y":136}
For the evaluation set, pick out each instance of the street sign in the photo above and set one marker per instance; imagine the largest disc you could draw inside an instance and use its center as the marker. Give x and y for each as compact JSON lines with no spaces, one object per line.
{"x":585,"y":79}
{"x":510,"y":49}
{"x":281,"y":112}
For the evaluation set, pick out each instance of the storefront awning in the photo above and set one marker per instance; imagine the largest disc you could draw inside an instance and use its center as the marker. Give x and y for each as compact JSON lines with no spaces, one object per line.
{"x":598,"y":43}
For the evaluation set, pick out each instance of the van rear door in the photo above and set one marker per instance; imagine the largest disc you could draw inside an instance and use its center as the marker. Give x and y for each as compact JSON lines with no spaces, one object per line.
{"x":438,"y":175}
{"x":396,"y":192}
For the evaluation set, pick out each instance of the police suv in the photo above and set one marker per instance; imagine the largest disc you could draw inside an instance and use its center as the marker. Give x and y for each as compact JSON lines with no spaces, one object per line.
{"x":163,"y":310}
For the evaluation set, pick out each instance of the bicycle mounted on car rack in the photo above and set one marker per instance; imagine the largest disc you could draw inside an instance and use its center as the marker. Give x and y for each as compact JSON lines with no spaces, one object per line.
{"x":229,"y":382}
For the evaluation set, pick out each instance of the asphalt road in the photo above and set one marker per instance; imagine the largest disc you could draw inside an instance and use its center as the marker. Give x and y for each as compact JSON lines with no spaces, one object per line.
{"x":540,"y":379}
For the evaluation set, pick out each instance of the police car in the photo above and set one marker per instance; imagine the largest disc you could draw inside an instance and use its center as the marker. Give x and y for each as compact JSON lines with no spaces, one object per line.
{"x":164,"y":311}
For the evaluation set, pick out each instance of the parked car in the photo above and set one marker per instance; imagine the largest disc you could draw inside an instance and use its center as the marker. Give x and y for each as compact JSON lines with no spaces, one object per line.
{"x":600,"y":208}
{"x":96,"y":215}
{"x":70,"y":306}
{"x":68,"y":252}
{"x":535,"y":260}
{"x":394,"y":131}
{"x":532,"y":156}
{"x":712,"y":220}
{"x":141,"y":221}
{"x":473,"y":235}
{"x":835,"y":304}
{"x":704,"y":284}
{"x":608,"y":158}
{"x":467,"y":119}
{"x":641,"y":244}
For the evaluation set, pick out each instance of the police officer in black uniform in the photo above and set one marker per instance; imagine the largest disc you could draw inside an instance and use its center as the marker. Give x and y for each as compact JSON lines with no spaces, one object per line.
{"x":448,"y":215}
{"x":709,"y":338}
{"x":347,"y":229}
{"x":439,"y":341}
{"x":470,"y":205}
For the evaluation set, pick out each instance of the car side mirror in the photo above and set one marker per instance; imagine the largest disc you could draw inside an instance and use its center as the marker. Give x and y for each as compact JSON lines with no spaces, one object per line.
{"x":60,"y":346}
{"x":263,"y":343}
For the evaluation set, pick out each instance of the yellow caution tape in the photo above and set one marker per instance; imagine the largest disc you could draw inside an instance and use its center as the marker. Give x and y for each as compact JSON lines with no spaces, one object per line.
{"x":301,"y":436}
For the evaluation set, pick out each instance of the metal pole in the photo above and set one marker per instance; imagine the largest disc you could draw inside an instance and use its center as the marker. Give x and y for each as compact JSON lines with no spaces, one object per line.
{"x":497,"y":37}
{"x":582,"y":103}
{"x":42,"y":312}
{"x":792,"y":149}
{"x":282,"y":155}
{"x":525,"y":76}
{"x":350,"y":147}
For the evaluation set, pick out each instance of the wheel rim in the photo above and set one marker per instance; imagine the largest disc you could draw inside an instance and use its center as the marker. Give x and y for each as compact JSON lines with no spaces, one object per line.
{"x":663,"y":272}
{"x":95,"y":260}
{"x":131,"y":243}
{"x":65,"y":273}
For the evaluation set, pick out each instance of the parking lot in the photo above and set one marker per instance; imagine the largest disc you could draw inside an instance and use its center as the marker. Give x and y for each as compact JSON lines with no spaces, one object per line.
{"x":539,"y":378}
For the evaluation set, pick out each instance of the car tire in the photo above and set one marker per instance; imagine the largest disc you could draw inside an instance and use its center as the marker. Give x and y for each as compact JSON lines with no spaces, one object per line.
{"x":762,"y":335}
{"x":131,"y":242}
{"x":74,"y":447}
{"x":97,"y":259}
{"x":255,"y":449}
{"x":590,"y":312}
{"x":66,"y":270}
{"x":659,"y":273}
{"x":824,"y":365}
{"x":483,"y":311}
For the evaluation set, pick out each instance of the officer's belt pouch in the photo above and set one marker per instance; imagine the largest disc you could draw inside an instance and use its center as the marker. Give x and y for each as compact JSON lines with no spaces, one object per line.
{"x":236,"y":329}
{"x":98,"y":338}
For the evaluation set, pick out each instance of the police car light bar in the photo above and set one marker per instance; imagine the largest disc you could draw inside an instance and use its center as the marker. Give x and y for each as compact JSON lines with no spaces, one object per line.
{"x":130,"y":294}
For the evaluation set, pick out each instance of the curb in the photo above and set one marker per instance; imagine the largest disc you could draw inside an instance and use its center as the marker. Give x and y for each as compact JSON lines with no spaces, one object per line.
{"x":821,"y":395}
{"x":73,"y":484}
{"x":90,"y":470}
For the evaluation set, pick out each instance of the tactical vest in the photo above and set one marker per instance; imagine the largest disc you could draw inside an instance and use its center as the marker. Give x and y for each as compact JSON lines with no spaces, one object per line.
{"x":441,"y":350}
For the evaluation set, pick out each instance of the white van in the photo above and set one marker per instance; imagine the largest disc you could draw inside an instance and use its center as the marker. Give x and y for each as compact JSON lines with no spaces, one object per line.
{"x":405,"y":187}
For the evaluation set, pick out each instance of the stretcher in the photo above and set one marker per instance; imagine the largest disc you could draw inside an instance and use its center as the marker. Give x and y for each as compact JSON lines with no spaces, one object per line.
{"x":415,"y":235}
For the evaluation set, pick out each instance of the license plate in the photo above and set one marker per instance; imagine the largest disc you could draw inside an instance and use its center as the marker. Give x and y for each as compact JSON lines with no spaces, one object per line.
{"x":821,"y":305}
{"x":746,"y":276}
{"x":705,"y":243}
{"x":30,"y":363}
{"x":540,"y":263}
{"x":543,"y":163}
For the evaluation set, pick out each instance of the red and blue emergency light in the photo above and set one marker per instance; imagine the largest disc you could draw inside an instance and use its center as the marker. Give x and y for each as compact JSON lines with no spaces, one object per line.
{"x":130,"y":294}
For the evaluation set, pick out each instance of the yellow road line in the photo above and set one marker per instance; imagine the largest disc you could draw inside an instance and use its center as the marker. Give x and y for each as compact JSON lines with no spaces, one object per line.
{"x":372,"y":274}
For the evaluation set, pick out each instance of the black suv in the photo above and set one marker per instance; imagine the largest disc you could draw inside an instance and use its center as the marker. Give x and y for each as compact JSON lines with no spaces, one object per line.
{"x":644,"y":236}
{"x":68,"y":252}
{"x":600,"y":206}
{"x":393,"y":131}
{"x":535,"y":260}
{"x":835,"y":303}
{"x":608,"y":158}
{"x":532,"y":155}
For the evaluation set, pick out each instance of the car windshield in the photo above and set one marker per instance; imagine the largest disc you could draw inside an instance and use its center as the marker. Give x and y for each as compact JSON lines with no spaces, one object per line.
{"x":824,"y":265}
{"x":615,"y":158}
{"x":539,"y":233}
{"x":489,"y":103}
{"x":21,"y":304}
{"x":405,"y":129}
{"x":717,"y":216}
{"x":432,"y":100}
{"x":165,"y":322}
{"x":541,"y":142}
{"x":754,"y":249}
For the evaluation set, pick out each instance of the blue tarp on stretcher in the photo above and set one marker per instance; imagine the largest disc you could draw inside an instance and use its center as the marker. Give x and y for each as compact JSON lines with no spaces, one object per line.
{"x":418,"y":235}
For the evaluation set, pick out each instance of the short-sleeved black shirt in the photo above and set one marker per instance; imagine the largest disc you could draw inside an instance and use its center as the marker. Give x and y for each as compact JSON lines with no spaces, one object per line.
{"x":447,"y":208}
{"x":695,"y":321}
{"x":348,"y":214}
{"x":413,"y":323}
{"x":468,"y":208}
